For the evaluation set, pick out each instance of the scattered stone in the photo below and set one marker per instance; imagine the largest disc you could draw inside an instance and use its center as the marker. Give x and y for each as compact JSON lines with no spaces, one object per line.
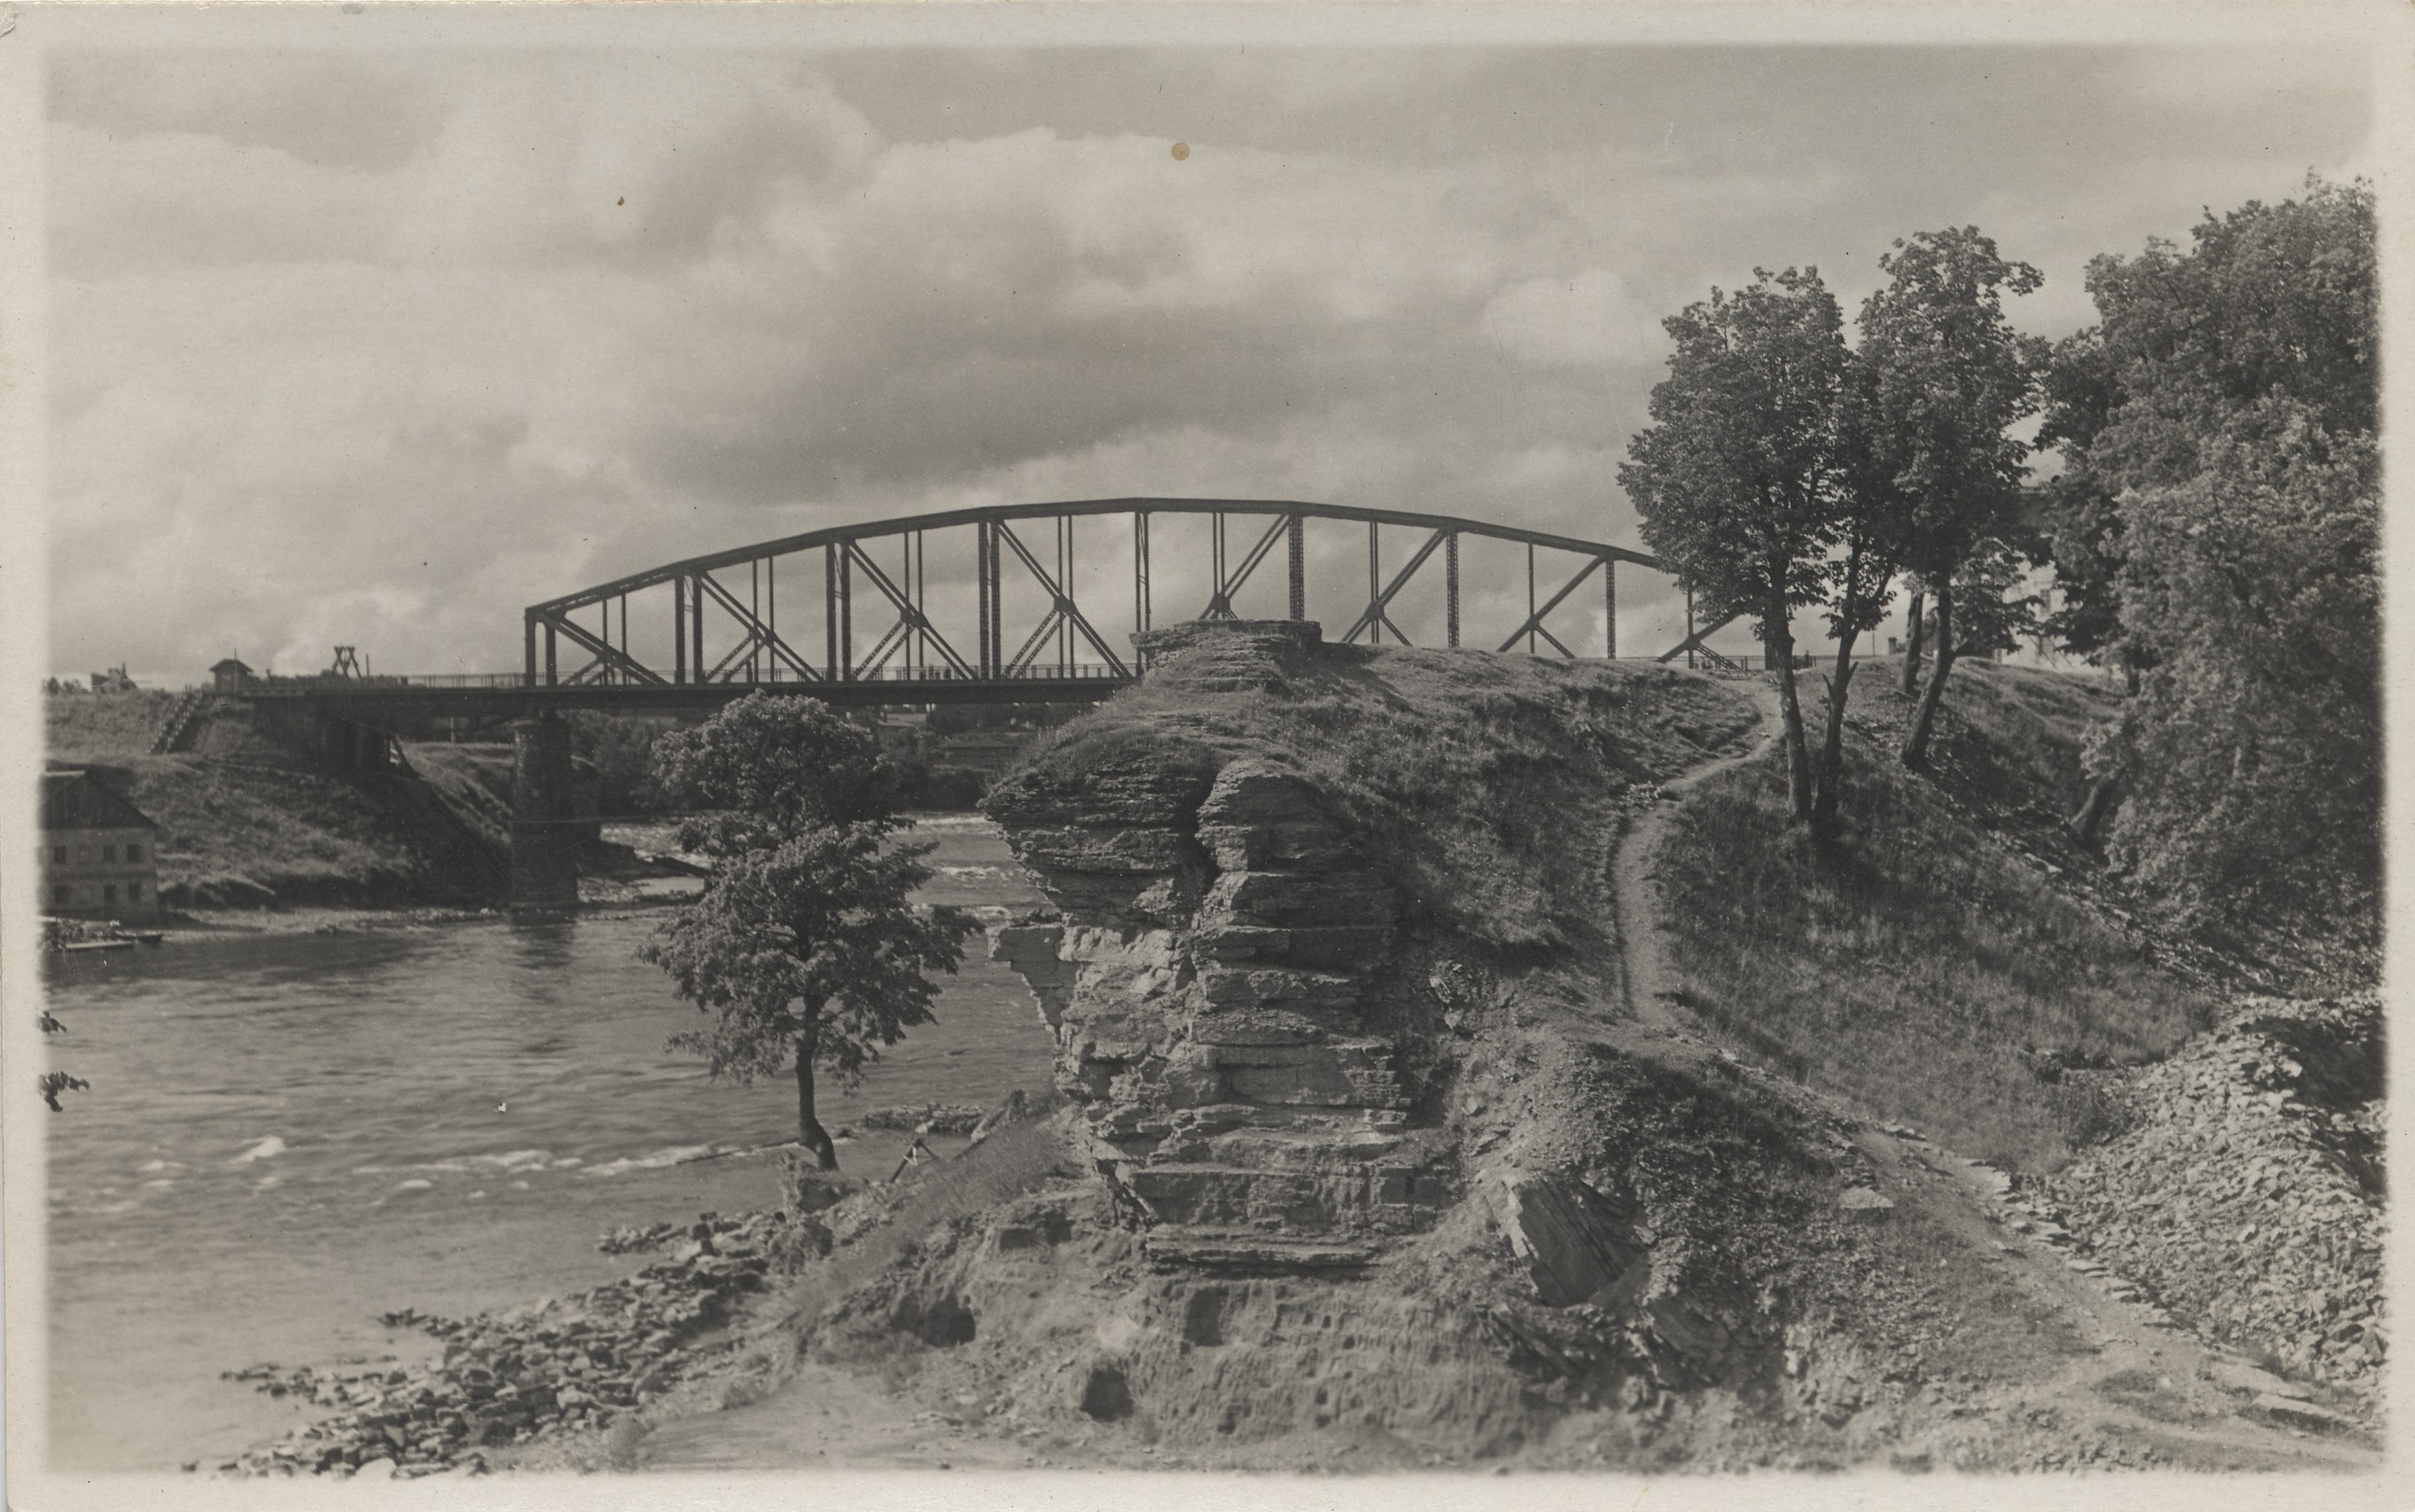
{"x":2291,"y":1412}
{"x":926,"y":1118}
{"x":1861,"y":1205}
{"x":2245,"y":1193}
{"x":550,"y":1366}
{"x":1576,"y":1242}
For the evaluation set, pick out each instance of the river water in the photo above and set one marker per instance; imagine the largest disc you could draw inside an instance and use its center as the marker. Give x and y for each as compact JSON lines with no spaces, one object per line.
{"x":290,"y":1135}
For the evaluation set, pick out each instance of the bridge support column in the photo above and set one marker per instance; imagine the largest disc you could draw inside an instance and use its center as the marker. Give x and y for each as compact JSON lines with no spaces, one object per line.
{"x":1610,"y":608}
{"x":545,"y":829}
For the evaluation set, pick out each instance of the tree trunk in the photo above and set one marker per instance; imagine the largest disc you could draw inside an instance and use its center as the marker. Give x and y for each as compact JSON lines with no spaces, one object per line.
{"x":810,"y":1132}
{"x":1775,"y":635}
{"x":1915,"y":744}
{"x":2082,"y":826}
{"x":1911,"y":645}
{"x":1832,"y":748}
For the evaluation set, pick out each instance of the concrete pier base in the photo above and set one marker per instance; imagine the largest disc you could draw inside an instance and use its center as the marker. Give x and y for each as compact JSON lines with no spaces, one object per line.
{"x":546,"y":828}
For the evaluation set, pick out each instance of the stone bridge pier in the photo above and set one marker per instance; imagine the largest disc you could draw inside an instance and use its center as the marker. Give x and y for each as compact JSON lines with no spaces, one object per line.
{"x":546,"y":830}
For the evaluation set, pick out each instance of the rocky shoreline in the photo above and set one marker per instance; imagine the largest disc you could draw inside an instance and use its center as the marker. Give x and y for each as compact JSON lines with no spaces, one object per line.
{"x":553,"y":1368}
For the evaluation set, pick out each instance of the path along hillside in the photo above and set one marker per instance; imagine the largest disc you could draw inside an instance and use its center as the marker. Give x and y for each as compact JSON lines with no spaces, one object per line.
{"x":1458,"y":1064}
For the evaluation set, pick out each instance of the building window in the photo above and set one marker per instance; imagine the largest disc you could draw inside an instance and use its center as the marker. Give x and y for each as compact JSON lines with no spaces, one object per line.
{"x":58,"y":855}
{"x":109,"y":853}
{"x":134,"y":893}
{"x":109,"y":893}
{"x":62,"y":895}
{"x":134,"y":853}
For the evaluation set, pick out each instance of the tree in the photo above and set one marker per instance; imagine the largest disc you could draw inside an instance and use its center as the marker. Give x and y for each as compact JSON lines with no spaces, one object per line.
{"x":806,"y":946}
{"x":1873,"y":514}
{"x":1736,"y":478}
{"x":1952,"y":378}
{"x":2238,"y":447}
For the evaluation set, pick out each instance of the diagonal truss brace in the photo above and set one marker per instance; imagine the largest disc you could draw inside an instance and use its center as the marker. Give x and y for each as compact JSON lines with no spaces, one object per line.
{"x":1220,"y":603}
{"x":1062,"y":609}
{"x":755,"y":634}
{"x":604,"y":651}
{"x":909,"y":620}
{"x":1694,"y":641}
{"x":1535,"y":626}
{"x":1378,"y":611}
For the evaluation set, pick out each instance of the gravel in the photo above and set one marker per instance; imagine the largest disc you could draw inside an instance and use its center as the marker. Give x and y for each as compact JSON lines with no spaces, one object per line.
{"x":2246,"y":1195}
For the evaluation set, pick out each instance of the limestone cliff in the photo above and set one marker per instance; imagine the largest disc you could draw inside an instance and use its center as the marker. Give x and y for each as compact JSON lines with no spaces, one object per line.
{"x":1216,"y":981}
{"x":1280,"y":883}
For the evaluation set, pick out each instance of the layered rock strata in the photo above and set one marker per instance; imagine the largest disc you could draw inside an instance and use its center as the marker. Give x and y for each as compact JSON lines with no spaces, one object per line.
{"x":1211,"y":976}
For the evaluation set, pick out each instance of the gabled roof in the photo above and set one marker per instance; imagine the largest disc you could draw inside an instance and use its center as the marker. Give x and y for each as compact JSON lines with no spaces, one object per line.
{"x":222,"y":665}
{"x":72,"y":800}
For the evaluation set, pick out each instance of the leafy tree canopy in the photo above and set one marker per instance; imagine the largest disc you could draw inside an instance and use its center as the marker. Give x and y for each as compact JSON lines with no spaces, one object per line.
{"x":2237,"y":448}
{"x":806,"y":947}
{"x":1736,"y":479}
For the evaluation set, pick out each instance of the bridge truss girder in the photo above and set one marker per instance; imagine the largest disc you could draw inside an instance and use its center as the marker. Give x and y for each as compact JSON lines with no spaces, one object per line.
{"x":1056,"y":643}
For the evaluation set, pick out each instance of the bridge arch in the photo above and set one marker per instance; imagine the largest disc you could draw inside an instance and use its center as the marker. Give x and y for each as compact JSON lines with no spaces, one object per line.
{"x":1027,"y":555}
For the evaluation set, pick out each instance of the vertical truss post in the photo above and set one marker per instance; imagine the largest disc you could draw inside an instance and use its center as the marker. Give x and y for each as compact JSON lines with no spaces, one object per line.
{"x":1218,"y":607}
{"x":696,"y":626}
{"x":528,"y":648}
{"x":1609,"y":608}
{"x":624,"y":628}
{"x":678,"y":630}
{"x":997,"y":608}
{"x":1140,"y":571}
{"x":771,"y":604}
{"x":982,"y":643}
{"x":1374,"y":584}
{"x":1297,"y":541}
{"x":1450,"y":588}
{"x":830,"y":613}
{"x":1065,"y":594}
{"x":549,"y":674}
{"x":847,"y":610}
{"x":755,"y":612}
{"x":1530,"y":598}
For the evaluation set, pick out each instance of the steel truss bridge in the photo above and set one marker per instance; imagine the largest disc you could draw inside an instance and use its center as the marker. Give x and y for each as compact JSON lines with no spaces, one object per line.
{"x":1018,"y":608}
{"x":1028,"y":618}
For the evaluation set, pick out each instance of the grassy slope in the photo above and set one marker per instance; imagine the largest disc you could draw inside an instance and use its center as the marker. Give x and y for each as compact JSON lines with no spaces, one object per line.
{"x":1913,"y":964}
{"x":242,"y":824}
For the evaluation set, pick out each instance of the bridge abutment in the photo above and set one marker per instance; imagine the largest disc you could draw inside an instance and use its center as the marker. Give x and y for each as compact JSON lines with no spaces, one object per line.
{"x":545,"y":827}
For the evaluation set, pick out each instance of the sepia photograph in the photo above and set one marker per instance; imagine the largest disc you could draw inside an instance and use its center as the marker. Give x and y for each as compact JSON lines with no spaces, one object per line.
{"x":772,"y":752}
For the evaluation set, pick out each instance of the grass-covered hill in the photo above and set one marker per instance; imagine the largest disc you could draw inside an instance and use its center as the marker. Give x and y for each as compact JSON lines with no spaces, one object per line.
{"x":1949,"y":958}
{"x":246,"y":822}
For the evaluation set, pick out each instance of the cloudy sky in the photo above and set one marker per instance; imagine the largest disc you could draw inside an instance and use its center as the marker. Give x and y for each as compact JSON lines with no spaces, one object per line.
{"x":378,"y":347}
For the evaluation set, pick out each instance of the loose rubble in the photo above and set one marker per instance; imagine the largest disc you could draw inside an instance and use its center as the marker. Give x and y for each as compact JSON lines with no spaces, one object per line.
{"x":2247,"y":1196}
{"x":957,"y":1118}
{"x":557,"y":1366}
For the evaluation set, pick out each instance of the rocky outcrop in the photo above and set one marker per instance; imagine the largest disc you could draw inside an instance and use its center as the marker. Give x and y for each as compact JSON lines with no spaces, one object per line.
{"x":1212,"y":976}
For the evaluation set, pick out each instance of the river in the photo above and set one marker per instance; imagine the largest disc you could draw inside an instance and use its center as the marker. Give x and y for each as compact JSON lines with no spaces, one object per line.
{"x":287,"y":1135}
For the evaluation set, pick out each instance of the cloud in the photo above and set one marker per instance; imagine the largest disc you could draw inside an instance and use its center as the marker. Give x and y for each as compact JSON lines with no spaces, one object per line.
{"x":1586,"y":319}
{"x":379,"y":350}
